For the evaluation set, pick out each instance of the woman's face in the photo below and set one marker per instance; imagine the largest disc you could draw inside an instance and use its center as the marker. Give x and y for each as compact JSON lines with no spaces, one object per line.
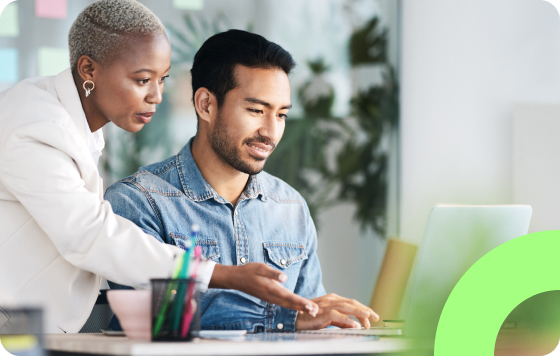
{"x":128,"y":86}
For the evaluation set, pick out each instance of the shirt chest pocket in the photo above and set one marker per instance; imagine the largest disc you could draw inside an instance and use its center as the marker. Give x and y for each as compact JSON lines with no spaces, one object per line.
{"x":210,"y":250}
{"x":286,"y":257}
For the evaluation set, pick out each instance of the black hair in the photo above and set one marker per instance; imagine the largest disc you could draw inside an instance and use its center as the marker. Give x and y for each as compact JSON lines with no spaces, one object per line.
{"x":214,"y":63}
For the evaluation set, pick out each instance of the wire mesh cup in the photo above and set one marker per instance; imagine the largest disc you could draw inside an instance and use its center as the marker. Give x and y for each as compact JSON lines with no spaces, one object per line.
{"x":21,"y":331}
{"x":175,"y":309}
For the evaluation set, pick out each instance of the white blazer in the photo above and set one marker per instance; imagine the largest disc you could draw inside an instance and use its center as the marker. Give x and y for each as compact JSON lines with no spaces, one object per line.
{"x":58,"y":236}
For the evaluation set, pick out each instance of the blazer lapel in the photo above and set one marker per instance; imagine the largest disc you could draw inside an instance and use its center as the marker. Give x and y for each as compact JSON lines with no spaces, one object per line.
{"x":68,"y":96}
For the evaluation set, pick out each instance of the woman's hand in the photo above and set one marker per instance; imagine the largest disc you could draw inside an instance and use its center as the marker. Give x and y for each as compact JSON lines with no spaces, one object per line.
{"x":263,"y":282}
{"x":335,"y":310}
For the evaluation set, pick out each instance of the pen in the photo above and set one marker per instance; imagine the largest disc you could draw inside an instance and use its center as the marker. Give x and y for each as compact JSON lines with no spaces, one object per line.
{"x":189,"y":311}
{"x":161,"y":315}
{"x":177,"y":309}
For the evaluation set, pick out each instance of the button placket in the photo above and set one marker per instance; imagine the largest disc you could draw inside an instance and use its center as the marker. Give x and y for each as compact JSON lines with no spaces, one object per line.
{"x":241,"y":238}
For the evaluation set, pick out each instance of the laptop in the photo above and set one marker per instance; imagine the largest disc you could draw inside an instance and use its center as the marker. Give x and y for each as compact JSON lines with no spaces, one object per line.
{"x":456,"y":237}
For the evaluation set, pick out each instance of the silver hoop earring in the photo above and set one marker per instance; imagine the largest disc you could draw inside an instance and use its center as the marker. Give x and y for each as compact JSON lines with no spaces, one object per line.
{"x":88,"y":90}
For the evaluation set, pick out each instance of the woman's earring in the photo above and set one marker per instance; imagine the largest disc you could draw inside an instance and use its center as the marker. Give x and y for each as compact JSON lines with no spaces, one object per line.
{"x":88,"y":90}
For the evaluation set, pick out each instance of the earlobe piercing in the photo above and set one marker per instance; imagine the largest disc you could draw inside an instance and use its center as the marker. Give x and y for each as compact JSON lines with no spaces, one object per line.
{"x":88,"y":90}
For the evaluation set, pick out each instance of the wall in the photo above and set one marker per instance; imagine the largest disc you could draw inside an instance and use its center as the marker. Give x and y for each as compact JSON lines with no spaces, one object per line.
{"x":536,"y":166}
{"x":463,"y":66}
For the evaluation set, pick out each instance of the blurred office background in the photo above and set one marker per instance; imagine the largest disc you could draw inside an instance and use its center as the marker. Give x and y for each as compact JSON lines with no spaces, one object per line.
{"x":398,"y":106}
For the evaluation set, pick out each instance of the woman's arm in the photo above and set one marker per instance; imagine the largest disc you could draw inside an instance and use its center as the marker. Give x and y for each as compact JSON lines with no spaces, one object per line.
{"x":263,"y":282}
{"x":47,"y":167}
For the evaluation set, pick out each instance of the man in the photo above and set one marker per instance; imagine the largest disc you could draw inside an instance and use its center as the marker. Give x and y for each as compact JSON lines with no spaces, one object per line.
{"x":241,"y":93}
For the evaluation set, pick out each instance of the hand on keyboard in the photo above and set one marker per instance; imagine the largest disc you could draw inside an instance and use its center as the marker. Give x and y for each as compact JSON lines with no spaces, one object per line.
{"x":336,"y":310}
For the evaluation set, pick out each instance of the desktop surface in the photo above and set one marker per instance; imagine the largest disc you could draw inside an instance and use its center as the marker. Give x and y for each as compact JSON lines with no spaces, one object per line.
{"x":301,"y":344}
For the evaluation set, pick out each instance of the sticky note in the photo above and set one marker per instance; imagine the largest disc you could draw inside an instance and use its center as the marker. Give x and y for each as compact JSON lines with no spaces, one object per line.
{"x":188,"y":4}
{"x":53,"y":60}
{"x":51,"y":9}
{"x":9,"y":69}
{"x":9,"y":24}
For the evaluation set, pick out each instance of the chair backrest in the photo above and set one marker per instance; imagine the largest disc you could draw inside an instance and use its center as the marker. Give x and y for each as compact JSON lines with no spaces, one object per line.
{"x":392,"y":280}
{"x":100,"y":316}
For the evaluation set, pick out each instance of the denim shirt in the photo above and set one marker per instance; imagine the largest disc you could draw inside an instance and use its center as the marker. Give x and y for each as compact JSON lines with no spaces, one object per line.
{"x":270,"y":224}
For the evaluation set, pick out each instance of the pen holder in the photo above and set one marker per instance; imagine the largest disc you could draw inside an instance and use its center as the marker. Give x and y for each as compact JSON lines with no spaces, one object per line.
{"x":175,"y":309}
{"x":21,"y":331}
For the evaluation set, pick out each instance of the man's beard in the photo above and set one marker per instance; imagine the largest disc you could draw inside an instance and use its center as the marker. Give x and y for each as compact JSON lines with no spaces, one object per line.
{"x":231,"y":154}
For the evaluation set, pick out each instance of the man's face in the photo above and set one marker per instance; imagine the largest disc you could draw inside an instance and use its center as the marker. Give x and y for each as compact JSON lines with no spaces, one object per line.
{"x":251,"y":121}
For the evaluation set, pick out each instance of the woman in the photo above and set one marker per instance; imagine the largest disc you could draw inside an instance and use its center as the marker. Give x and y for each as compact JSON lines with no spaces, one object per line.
{"x":58,"y":236}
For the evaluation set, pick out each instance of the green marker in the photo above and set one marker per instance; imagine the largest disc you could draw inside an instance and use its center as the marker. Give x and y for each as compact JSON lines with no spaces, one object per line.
{"x":163,"y":310}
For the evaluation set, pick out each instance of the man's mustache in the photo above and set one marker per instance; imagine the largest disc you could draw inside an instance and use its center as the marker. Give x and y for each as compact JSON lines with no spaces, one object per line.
{"x":261,"y":139}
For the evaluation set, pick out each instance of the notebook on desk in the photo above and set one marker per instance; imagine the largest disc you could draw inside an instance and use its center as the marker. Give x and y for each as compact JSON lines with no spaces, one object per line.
{"x":242,"y":335}
{"x":375,"y":331}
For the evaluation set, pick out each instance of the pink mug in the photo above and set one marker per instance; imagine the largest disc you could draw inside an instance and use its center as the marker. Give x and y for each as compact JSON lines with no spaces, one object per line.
{"x":133,"y":308}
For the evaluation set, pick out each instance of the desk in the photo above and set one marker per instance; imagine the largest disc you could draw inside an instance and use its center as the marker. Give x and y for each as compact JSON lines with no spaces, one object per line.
{"x":99,"y":344}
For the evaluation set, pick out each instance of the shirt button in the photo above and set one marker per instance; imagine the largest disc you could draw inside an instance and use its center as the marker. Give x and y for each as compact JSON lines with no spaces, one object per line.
{"x":243,"y":260}
{"x":236,"y":213}
{"x":283,"y":262}
{"x":280,"y":326}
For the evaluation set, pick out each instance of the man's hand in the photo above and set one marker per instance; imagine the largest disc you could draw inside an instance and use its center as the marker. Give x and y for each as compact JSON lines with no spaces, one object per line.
{"x":263,"y":282}
{"x":335,"y":310}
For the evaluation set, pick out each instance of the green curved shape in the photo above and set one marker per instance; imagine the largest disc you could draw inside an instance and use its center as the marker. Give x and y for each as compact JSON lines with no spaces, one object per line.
{"x":496,"y":284}
{"x":3,"y":4}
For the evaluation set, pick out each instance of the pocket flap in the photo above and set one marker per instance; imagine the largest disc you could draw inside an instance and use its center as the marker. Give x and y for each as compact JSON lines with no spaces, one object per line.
{"x":283,"y":254}
{"x":210,"y":249}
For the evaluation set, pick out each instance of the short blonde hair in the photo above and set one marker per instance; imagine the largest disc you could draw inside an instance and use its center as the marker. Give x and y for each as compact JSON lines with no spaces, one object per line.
{"x":100,"y":29}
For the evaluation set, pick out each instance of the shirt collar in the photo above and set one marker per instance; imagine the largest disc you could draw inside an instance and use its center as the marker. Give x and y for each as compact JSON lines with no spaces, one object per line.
{"x":95,"y":141}
{"x":198,"y":189}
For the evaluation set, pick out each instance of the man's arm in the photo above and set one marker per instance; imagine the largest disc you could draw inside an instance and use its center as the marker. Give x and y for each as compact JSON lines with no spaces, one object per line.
{"x":255,"y":279}
{"x":333,"y":309}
